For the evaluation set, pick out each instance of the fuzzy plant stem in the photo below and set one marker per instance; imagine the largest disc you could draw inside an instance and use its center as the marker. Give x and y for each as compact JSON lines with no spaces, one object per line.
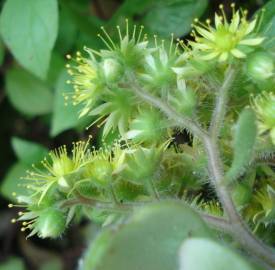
{"x":218,"y":223}
{"x":240,"y":230}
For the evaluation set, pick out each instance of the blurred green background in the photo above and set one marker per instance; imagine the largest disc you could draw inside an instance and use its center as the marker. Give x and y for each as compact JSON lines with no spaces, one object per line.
{"x":35,"y":37}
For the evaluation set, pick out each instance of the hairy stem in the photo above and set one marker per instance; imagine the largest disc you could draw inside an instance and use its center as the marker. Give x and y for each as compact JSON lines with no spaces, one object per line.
{"x":218,"y":223}
{"x":180,"y":120}
{"x":221,"y":103}
{"x":240,"y":231}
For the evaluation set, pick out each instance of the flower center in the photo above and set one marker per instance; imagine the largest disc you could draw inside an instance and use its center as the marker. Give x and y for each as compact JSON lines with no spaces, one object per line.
{"x":225,"y":40}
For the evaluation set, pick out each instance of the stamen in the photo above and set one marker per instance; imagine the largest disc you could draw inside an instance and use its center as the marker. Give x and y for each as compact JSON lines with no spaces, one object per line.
{"x":108,"y":37}
{"x":119,"y":32}
{"x":127,"y":27}
{"x":171,"y":43}
{"x":140,"y":33}
{"x":134,"y":32}
{"x":156,"y":41}
{"x":105,"y":42}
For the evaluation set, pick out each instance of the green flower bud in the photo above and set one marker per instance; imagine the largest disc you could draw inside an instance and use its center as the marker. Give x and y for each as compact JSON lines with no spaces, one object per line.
{"x":149,"y":126}
{"x":142,"y":164}
{"x":184,"y":100}
{"x":260,"y":66}
{"x":158,"y":72}
{"x":50,"y":223}
{"x":62,"y":165}
{"x":100,"y":172}
{"x":264,"y":106}
{"x":112,"y":69}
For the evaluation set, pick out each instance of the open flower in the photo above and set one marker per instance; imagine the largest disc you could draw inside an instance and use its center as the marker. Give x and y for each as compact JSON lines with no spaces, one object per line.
{"x":226,"y":38}
{"x":264,"y":106}
{"x":56,"y":169}
{"x":86,"y":81}
{"x":149,"y":126}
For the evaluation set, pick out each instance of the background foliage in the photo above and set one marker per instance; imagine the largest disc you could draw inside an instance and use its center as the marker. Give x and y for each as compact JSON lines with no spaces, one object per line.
{"x":35,"y":37}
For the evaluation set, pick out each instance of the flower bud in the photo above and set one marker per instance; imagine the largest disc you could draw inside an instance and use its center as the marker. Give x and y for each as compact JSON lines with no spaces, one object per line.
{"x":142,"y":164}
{"x":100,"y":172}
{"x":62,"y":165}
{"x":50,"y":223}
{"x":184,"y":100}
{"x":149,"y":126}
{"x":260,"y":66}
{"x":112,"y":69}
{"x":264,"y":106}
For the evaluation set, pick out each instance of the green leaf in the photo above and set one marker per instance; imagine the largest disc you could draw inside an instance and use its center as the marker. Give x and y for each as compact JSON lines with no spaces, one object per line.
{"x":28,"y":94}
{"x":53,"y":264}
{"x":29,"y":29}
{"x":205,"y":254}
{"x":57,"y":66}
{"x":2,"y":52}
{"x":64,"y":117}
{"x":178,"y":15}
{"x":28,"y":152}
{"x":267,"y":26}
{"x":13,"y":263}
{"x":67,"y":30}
{"x":12,"y":182}
{"x":149,"y":241}
{"x":243,"y":146}
{"x":164,"y":17}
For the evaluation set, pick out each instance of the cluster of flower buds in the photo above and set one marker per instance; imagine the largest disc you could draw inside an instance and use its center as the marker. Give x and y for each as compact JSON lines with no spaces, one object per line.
{"x":111,"y":175}
{"x":141,"y":166}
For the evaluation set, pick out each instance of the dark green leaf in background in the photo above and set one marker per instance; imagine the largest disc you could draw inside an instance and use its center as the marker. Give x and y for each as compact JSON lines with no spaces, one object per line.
{"x":173,"y":16}
{"x":28,"y":94}
{"x":165,"y":17}
{"x":64,"y":117}
{"x":13,"y":263}
{"x":56,"y":68}
{"x":28,"y":152}
{"x":32,"y":42}
{"x":67,"y":30}
{"x":12,"y":182}
{"x":268,"y":24}
{"x":2,"y":52}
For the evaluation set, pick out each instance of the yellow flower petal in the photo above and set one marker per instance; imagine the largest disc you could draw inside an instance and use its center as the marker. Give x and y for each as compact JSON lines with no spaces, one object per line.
{"x":223,"y":57}
{"x":206,"y":34}
{"x":209,"y":56}
{"x":237,"y":53}
{"x":251,"y":41}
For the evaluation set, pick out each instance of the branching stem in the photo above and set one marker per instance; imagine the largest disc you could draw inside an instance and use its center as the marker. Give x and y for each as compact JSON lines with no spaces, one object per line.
{"x":240,"y":231}
{"x":213,"y":221}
